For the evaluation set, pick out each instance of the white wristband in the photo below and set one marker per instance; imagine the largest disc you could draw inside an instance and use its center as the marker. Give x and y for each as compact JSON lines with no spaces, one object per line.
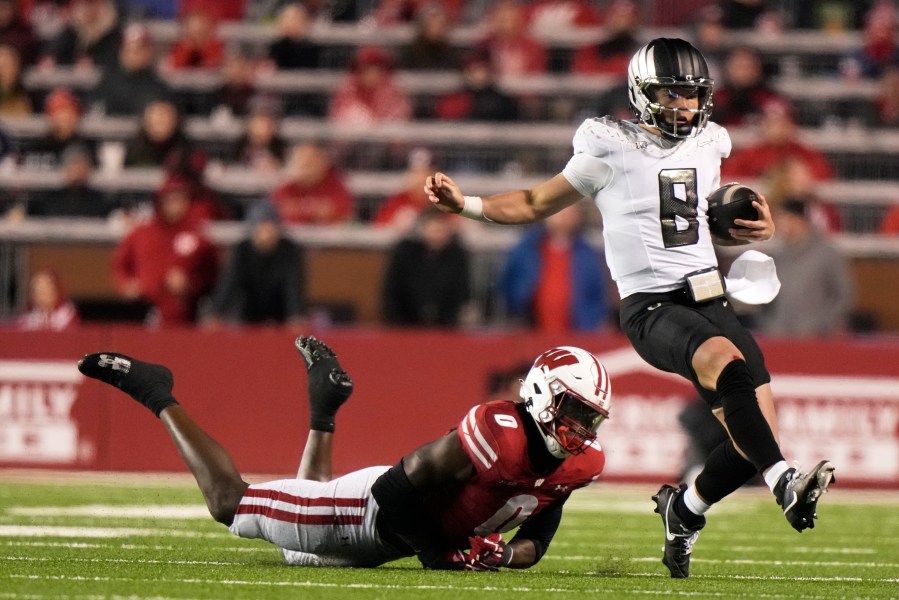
{"x":473,"y":208}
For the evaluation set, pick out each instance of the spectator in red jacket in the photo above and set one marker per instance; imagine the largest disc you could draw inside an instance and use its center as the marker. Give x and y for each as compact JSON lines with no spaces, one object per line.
{"x":778,"y":145}
{"x":890,"y":223}
{"x":552,"y":17}
{"x":745,"y":90}
{"x":198,"y":46}
{"x":402,"y":208}
{"x":231,"y":10}
{"x":369,"y":94}
{"x":167,"y":262}
{"x":315,"y":192}
{"x":511,"y":48}
{"x":17,"y":32}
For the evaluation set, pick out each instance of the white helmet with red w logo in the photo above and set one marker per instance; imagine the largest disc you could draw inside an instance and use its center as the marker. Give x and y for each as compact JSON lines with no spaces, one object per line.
{"x":568,"y":394}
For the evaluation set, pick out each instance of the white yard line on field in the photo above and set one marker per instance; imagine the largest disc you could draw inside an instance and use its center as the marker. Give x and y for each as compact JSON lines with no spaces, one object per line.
{"x":97,"y":532}
{"x":471,"y":588}
{"x":20,"y":543}
{"x":137,"y":511}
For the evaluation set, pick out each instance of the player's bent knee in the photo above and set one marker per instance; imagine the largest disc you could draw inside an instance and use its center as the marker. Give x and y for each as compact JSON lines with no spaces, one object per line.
{"x":710,"y":359}
{"x":223,"y":502}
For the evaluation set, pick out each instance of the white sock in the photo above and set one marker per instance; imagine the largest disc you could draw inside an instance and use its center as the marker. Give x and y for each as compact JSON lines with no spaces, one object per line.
{"x":694,"y":503}
{"x":774,"y":473}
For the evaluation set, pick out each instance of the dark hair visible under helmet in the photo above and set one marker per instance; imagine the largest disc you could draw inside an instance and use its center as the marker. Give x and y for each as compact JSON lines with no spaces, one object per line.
{"x":669,"y":63}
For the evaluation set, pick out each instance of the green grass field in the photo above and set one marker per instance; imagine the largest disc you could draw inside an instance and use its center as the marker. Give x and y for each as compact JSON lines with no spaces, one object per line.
{"x":118,"y":536}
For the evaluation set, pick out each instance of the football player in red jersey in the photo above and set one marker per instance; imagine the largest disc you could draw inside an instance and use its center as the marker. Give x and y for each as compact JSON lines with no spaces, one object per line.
{"x":508,"y":464}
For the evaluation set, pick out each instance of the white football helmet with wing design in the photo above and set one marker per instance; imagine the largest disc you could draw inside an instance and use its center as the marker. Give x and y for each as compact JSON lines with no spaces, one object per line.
{"x":672,"y":64}
{"x":567,"y":392}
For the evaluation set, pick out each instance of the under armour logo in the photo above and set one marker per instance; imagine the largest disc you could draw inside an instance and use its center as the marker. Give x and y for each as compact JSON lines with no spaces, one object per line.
{"x":561,"y":488}
{"x":116,"y":363}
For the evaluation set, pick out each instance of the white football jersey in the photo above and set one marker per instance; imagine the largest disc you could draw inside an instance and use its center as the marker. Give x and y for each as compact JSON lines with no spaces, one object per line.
{"x":652,"y":194}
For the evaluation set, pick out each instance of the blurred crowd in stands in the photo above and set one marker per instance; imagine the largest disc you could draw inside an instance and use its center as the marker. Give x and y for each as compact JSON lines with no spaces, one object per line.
{"x":144,"y":71}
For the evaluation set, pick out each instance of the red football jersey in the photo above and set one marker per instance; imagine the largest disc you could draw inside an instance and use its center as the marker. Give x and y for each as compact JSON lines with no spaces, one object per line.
{"x":505,"y":491}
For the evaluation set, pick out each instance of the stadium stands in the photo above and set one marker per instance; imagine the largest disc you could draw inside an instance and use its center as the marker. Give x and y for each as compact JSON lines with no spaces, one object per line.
{"x":486,"y":157}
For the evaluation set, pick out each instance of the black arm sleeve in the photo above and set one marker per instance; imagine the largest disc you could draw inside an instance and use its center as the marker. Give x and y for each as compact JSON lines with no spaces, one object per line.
{"x":401,"y":508}
{"x":542,"y":528}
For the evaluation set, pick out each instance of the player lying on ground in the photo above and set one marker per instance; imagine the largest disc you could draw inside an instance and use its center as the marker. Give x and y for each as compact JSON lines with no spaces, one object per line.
{"x":650,"y":179}
{"x":507,"y":465}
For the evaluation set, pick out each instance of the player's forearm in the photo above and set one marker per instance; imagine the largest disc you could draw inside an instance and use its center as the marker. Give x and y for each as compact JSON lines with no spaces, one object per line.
{"x":511,"y":208}
{"x":527,"y":206}
{"x":524,"y":554}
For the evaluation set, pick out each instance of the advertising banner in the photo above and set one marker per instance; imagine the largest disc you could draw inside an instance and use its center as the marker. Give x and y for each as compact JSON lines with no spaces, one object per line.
{"x":247,"y":387}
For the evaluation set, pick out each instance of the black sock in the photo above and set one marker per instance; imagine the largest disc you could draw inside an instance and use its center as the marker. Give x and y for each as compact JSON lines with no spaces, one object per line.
{"x":747,"y":425}
{"x":725,"y":472}
{"x":157,"y":405}
{"x":329,"y":387}
{"x":321,"y":423}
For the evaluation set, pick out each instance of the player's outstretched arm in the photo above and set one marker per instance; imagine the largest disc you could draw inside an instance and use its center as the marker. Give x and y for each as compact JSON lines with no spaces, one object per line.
{"x":508,"y":208}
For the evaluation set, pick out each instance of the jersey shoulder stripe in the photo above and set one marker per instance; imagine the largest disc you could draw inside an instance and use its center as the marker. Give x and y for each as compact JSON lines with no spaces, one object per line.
{"x":474,"y":440}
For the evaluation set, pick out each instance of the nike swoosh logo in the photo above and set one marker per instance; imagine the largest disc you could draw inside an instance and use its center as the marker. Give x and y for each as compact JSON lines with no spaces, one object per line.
{"x":654,"y":306}
{"x":668,"y":535}
{"x":791,"y":504}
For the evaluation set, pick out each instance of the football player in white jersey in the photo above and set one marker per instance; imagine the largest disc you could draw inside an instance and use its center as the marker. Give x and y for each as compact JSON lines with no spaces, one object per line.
{"x":650,"y":179}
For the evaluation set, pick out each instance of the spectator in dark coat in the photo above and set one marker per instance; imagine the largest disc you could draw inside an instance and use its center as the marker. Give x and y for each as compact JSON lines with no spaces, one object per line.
{"x":480,"y":99}
{"x":261,"y":148}
{"x":264,"y":281}
{"x":76,"y":198}
{"x":128,"y":86}
{"x":293,"y":49}
{"x":426,"y":283}
{"x":431,"y":48}
{"x":91,"y":37}
{"x":63,"y":115}
{"x":160,"y":137}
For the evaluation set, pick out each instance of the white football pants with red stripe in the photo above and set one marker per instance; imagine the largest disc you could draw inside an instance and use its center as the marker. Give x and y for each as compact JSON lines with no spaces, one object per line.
{"x":317,"y":523}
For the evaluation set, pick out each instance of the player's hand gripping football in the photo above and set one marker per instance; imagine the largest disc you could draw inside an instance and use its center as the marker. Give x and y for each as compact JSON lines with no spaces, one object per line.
{"x":755,"y":231}
{"x":444,"y":193}
{"x":488,"y":553}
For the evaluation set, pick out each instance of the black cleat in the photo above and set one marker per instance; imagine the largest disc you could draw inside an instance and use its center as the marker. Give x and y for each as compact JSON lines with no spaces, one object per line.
{"x":329,"y":384}
{"x":679,"y":538}
{"x":798,"y":494}
{"x":149,"y":384}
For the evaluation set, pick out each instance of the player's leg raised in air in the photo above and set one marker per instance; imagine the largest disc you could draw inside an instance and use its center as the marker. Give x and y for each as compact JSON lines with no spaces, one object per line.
{"x":151,"y":385}
{"x":329,"y":387}
{"x":297,"y":515}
